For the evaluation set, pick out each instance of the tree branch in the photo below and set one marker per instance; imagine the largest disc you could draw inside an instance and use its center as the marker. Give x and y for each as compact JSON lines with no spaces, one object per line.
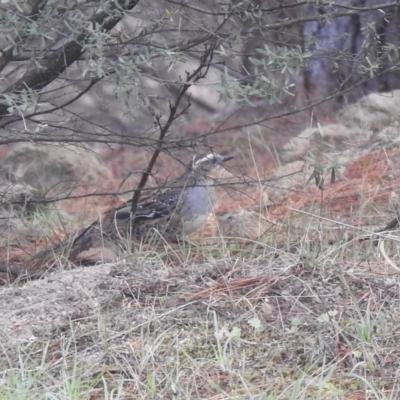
{"x":32,"y":13}
{"x":37,"y":79}
{"x":194,"y":77}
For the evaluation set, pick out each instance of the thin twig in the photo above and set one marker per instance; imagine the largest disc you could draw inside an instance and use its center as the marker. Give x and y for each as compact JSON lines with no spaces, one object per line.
{"x":195,"y":76}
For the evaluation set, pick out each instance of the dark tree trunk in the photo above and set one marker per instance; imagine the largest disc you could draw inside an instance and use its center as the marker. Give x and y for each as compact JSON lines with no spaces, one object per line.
{"x":344,"y":49}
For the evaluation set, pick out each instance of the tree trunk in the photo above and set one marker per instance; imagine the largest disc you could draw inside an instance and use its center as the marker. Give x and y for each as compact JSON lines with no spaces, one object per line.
{"x":352,"y":51}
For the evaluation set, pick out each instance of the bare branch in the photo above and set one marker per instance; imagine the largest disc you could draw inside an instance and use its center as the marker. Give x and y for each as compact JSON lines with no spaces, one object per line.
{"x":195,"y":76}
{"x":329,"y":16}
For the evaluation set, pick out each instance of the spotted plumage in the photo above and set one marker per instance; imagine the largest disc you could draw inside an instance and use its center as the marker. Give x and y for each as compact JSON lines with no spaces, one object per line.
{"x":177,"y":210}
{"x":172,"y":212}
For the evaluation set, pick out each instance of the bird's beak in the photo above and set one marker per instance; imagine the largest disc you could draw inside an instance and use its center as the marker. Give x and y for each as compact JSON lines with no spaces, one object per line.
{"x":227,"y":158}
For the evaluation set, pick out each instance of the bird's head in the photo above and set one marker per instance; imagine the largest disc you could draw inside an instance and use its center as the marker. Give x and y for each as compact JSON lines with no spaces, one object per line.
{"x":210,"y":162}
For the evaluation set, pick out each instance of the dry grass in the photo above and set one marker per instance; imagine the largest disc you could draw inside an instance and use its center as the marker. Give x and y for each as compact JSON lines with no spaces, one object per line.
{"x":284,"y":317}
{"x":277,"y":305}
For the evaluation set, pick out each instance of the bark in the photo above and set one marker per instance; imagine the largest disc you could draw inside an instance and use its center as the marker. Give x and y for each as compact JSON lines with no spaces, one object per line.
{"x":343,"y":47}
{"x":37,"y":79}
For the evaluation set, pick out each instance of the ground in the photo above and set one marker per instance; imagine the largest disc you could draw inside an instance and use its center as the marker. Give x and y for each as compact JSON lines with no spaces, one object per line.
{"x":304,"y":311}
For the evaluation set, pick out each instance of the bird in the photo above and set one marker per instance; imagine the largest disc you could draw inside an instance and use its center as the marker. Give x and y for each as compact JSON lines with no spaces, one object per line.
{"x":172,"y":212}
{"x":175,"y":211}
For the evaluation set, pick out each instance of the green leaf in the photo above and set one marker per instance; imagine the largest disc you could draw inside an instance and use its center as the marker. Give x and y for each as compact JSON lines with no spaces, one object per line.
{"x":357,"y":353}
{"x":255,"y":323}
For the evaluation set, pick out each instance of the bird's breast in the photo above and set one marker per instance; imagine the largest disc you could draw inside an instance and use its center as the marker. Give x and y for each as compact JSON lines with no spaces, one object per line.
{"x":196,"y":207}
{"x":199,"y":200}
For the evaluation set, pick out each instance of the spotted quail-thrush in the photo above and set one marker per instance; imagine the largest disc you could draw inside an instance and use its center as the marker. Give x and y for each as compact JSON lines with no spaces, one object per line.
{"x":177,"y":210}
{"x":180,"y":209}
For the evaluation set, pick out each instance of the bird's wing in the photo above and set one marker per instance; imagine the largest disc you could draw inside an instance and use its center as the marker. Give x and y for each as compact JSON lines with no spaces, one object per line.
{"x":159,"y":207}
{"x":158,"y":204}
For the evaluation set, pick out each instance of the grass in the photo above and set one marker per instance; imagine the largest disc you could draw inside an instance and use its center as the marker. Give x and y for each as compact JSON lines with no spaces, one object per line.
{"x":286,"y":316}
{"x":259,"y":320}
